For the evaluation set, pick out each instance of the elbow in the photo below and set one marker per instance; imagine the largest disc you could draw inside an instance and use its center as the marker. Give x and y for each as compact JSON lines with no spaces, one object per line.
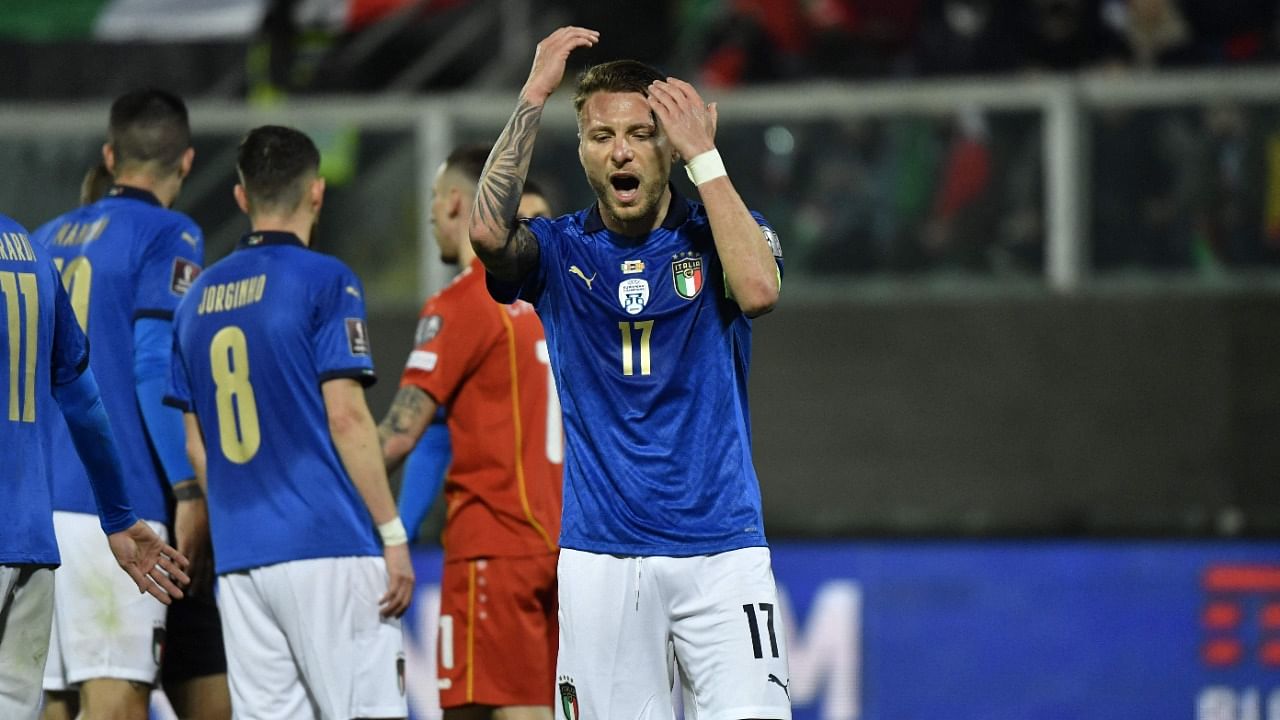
{"x":343,"y":420}
{"x":483,"y":241}
{"x":760,"y":300}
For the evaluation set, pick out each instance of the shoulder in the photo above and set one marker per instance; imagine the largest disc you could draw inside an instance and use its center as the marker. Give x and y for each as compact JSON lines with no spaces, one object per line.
{"x":174,"y":224}
{"x":8,"y":224}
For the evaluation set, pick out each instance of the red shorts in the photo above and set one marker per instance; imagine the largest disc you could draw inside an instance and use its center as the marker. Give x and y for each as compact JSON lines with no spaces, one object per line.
{"x":498,"y":634}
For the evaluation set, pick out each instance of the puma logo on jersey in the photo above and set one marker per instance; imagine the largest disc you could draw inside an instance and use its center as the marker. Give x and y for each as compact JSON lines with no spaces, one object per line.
{"x":577,"y":271}
{"x":774,"y":679}
{"x":353,"y":292}
{"x":191,"y":239}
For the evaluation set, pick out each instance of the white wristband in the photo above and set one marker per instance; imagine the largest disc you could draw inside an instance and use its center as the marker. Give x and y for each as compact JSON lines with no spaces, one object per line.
{"x":393,"y":532}
{"x":704,"y":167}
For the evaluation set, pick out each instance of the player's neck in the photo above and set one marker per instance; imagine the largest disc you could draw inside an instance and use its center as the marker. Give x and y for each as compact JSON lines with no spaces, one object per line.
{"x":641,"y":226}
{"x":465,"y":253}
{"x":299,"y":225}
{"x":165,"y":189}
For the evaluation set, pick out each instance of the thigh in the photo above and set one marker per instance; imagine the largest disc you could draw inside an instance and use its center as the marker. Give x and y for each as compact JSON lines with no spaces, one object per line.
{"x":263,"y":679}
{"x":106,"y":628}
{"x":350,"y":657}
{"x":194,"y":648}
{"x":497,"y":632}
{"x":26,"y":611}
{"x":728,"y":635}
{"x":612,"y":661}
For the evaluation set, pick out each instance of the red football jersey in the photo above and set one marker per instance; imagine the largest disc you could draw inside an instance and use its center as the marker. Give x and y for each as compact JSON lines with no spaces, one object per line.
{"x":487,"y":363}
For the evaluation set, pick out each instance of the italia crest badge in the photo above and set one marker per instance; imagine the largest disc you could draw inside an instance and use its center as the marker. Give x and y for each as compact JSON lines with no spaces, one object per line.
{"x":569,"y":699}
{"x":686,"y":273}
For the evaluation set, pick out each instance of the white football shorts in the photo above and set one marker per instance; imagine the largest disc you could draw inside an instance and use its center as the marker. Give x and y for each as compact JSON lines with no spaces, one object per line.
{"x":305,"y":639}
{"x":102,"y":626}
{"x":26,"y":607}
{"x":620,"y":615}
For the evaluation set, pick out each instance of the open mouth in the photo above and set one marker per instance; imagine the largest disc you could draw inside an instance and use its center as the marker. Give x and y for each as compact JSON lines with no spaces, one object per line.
{"x":625,"y":186}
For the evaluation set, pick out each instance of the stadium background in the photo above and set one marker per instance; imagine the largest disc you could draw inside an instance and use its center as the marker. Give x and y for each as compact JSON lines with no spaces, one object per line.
{"x":1015,"y":416}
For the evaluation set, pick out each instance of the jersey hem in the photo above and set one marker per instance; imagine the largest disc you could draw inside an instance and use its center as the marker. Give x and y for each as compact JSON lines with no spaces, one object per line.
{"x":39,"y":560}
{"x":246,"y":565}
{"x":630,"y":550}
{"x":153,"y":313}
{"x":364,"y":376}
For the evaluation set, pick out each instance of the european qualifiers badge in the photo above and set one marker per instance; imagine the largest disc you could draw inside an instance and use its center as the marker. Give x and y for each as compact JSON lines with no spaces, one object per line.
{"x":686,"y":273}
{"x":633,"y":294}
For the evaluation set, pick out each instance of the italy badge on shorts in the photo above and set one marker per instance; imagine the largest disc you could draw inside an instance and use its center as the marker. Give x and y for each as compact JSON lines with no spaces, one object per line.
{"x":686,"y":273}
{"x":569,"y":698}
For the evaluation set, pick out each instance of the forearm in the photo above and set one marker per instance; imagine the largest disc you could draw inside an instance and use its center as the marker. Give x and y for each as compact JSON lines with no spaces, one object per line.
{"x":153,"y":342}
{"x":493,"y":228}
{"x":400,"y":430}
{"x":749,"y":266}
{"x":196,"y":454}
{"x":81,"y":404}
{"x":356,"y":439}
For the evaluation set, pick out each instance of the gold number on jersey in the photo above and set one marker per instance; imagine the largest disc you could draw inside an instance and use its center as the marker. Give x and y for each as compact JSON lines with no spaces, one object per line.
{"x":22,"y":346}
{"x":628,"y":360}
{"x":238,"y":429}
{"x":78,"y":280}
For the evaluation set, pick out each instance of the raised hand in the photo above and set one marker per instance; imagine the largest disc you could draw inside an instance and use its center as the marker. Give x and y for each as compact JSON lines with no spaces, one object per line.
{"x":689,"y":124}
{"x":550,"y":58}
{"x":155,"y":567}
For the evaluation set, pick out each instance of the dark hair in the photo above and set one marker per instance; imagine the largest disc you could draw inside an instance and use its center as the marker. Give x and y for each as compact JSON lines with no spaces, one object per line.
{"x":533,"y":188}
{"x":468,"y":161}
{"x":149,"y":126}
{"x":97,"y":181}
{"x":615,"y":76}
{"x":272,"y":163}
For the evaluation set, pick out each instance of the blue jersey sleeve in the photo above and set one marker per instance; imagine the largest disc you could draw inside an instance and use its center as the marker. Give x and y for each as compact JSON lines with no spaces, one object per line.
{"x":179,"y":394}
{"x":152,"y":346}
{"x":70,"y":346}
{"x":168,"y":266}
{"x":81,"y":404}
{"x":342,"y":335}
{"x":531,"y":287}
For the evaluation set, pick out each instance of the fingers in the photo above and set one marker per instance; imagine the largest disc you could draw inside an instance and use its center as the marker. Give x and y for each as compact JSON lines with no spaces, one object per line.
{"x":399,"y":593}
{"x":567,"y":39}
{"x":162,"y":586}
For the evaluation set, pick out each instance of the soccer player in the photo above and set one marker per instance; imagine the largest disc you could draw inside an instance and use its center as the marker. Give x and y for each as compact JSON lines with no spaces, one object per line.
{"x":646,"y":298}
{"x":271,"y":357}
{"x":425,"y":466}
{"x":193,"y":666}
{"x":44,"y":357}
{"x":487,"y":363}
{"x":126,"y":261}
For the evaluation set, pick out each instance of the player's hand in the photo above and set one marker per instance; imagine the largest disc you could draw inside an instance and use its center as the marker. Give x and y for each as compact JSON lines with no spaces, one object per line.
{"x":399,"y":581}
{"x":688,"y":123}
{"x":191,"y":532}
{"x":155,"y":567}
{"x":550,"y":58}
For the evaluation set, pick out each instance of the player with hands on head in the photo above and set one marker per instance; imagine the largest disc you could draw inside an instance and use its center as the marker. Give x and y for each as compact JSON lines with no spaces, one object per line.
{"x":646,"y":298}
{"x":44,"y":356}
{"x":271,"y":358}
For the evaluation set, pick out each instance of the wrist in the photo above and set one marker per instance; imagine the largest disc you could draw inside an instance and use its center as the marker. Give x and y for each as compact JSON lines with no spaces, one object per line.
{"x":705,"y":166}
{"x":393,"y":532}
{"x":533,"y":97}
{"x":188,"y":490}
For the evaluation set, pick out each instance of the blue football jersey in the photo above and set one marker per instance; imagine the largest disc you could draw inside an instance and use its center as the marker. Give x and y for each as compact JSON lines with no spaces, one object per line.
{"x":42,"y":346}
{"x":650,"y":356}
{"x":122,"y":258}
{"x":259,"y":333}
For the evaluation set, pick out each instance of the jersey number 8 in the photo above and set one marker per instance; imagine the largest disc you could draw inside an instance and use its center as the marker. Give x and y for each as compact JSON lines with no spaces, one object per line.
{"x":238,"y":429}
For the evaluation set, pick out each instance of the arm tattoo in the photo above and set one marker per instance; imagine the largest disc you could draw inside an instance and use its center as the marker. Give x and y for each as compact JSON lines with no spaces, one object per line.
{"x":405,"y":414}
{"x":498,"y":195}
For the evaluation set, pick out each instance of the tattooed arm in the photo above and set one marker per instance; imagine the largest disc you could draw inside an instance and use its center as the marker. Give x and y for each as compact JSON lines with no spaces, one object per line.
{"x":507,"y":249}
{"x":400,"y":430}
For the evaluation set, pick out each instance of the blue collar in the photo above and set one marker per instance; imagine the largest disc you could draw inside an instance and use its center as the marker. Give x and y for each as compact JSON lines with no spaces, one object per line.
{"x":270,"y":237}
{"x":133,"y":193}
{"x":677,"y":213}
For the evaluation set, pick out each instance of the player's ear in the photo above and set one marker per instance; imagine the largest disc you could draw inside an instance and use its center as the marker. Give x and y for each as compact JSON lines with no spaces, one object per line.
{"x":109,"y":157}
{"x":184,"y":165}
{"x":317,"y":194}
{"x":242,"y":200}
{"x":456,"y":206}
